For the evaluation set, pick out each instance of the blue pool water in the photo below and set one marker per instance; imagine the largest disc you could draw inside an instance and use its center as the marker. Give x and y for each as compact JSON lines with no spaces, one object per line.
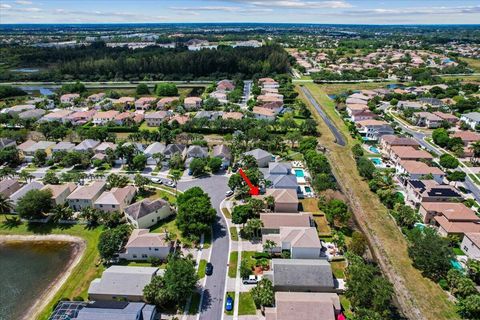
{"x":299,"y":173}
{"x":456,"y":265}
{"x":373,"y":149}
{"x":376,"y":161}
{"x":308,"y":189}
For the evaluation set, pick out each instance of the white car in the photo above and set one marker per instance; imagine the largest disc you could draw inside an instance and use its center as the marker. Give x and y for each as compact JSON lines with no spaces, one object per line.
{"x":229,"y":193}
{"x":157,"y":180}
{"x":252,"y":279}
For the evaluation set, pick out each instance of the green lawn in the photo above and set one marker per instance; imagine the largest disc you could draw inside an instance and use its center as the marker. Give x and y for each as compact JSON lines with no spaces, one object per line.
{"x":458,"y":251}
{"x":226,"y":213}
{"x":234,"y":233}
{"x":171,"y":227}
{"x":246,"y":305}
{"x":201,"y":268}
{"x":87,"y":269}
{"x":194,"y":303}
{"x":232,"y":264}
{"x":346,"y":306}
{"x":144,"y":126}
{"x":338,"y":269}
{"x":231,"y":294}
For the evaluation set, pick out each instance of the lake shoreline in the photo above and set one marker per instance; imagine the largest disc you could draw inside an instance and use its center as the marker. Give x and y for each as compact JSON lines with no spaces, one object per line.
{"x":78,"y":248}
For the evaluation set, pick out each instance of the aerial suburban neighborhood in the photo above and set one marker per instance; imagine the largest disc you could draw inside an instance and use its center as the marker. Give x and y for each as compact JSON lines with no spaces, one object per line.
{"x":321,"y":170}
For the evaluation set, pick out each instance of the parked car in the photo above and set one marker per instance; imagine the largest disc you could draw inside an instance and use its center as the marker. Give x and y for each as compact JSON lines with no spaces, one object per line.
{"x":229,"y":304}
{"x":209,"y":269}
{"x":252,"y":279}
{"x":229,"y":193}
{"x":157,"y":180}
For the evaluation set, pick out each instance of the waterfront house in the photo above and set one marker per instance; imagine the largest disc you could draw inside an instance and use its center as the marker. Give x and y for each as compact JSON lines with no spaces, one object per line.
{"x":85,"y":196}
{"x":122,"y":283}
{"x":143,"y":245}
{"x":60,"y":192}
{"x":471,"y":245}
{"x":115,"y":199}
{"x":146,"y":213}
{"x":20,"y":193}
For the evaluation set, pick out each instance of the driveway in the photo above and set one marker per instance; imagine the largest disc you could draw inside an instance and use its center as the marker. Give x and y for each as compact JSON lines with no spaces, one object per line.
{"x":214,"y":290}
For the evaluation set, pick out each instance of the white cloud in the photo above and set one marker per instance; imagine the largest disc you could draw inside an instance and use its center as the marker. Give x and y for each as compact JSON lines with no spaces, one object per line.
{"x":5,"y":6}
{"x":222,"y":9}
{"x":23,"y":2}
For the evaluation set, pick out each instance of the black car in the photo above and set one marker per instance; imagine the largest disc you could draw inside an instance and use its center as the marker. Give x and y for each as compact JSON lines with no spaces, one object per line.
{"x":209,"y":269}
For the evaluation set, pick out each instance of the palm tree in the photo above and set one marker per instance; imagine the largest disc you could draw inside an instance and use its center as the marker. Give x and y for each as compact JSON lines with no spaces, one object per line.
{"x":6,"y":204}
{"x":175,"y":175}
{"x":270,"y":203}
{"x":159,"y":158}
{"x":27,"y":176}
{"x":7,"y":172}
{"x":476,"y":150}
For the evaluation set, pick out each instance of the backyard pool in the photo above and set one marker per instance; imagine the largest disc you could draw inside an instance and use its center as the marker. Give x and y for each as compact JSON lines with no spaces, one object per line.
{"x":377,"y":161}
{"x":456,"y":265}
{"x":308,"y":189}
{"x":299,"y":173}
{"x":373,"y":149}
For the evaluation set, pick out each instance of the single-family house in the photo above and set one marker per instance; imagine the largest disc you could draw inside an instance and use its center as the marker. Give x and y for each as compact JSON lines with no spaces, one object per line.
{"x":166,"y":102}
{"x":304,"y":305}
{"x":264,"y":113}
{"x":25,"y":146}
{"x":155,"y":119}
{"x":417,"y":170}
{"x":268,"y":83}
{"x":195,"y":151}
{"x":225,"y":85}
{"x":364,"y":115}
{"x":69,"y":98}
{"x":192,"y":103}
{"x":60,"y":192}
{"x":40,"y":145}
{"x":121,"y":283}
{"x":272,"y":222}
{"x":388,"y":141}
{"x":96,"y":97}
{"x":285,"y":200}
{"x":19,"y":109}
{"x":373,"y":129}
{"x":301,"y":275}
{"x":403,"y":153}
{"x":85,"y":196}
{"x":144,"y":103}
{"x":104,"y":146}
{"x":355,"y":108}
{"x":223,"y":152}
{"x":116,"y":199}
{"x":146,"y":213}
{"x":262,"y":157}
{"x":221,"y":96}
{"x":471,"y":245}
{"x":429,"y":210}
{"x":152,"y":149}
{"x":87,"y":145}
{"x":60,"y":116}
{"x":9,"y":186}
{"x":127,"y":118}
{"x":404,"y":105}
{"x":471,"y":119}
{"x":20,"y":193}
{"x":356,"y":101}
{"x":209,"y":115}
{"x":431,"y":102}
{"x":101,"y":310}
{"x":174,"y":148}
{"x":63,"y":146}
{"x":104,"y":117}
{"x":232,"y":116}
{"x":448,"y":117}
{"x":7,"y":143}
{"x":301,"y":242}
{"x":179,"y":118}
{"x":419,"y":191}
{"x":34,"y":114}
{"x":427,"y":119}
{"x":450,"y":223}
{"x":80,"y":117}
{"x":468,"y":137}
{"x":143,"y":245}
{"x":126,"y":101}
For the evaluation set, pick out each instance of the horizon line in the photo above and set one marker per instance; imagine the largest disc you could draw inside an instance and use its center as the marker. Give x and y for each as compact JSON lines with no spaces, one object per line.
{"x":239,"y":22}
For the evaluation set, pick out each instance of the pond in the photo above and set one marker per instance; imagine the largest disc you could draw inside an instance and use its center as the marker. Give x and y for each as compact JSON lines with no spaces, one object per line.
{"x":26,"y":269}
{"x":43,"y":90}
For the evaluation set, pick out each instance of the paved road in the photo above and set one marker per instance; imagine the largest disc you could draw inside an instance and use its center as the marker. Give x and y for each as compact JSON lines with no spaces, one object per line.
{"x":214,"y":290}
{"x":247,"y":90}
{"x":420,"y":138}
{"x":339,"y":139}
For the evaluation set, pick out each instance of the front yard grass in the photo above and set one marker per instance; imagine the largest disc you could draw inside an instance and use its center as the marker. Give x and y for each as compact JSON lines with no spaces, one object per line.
{"x":227,"y":213}
{"x":194,"y":303}
{"x":246,"y":306}
{"x":458,"y":251}
{"x":201,"y":268}
{"x":234,"y":233}
{"x":232,"y":264}
{"x":86,"y":270}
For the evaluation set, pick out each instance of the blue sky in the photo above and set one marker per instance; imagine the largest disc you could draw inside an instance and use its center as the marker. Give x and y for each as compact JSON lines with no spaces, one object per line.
{"x":302,"y":11}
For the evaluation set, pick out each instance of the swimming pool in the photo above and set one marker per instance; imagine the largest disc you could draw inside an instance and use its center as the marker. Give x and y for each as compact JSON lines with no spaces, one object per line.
{"x":373,"y":149}
{"x":299,"y":173}
{"x":456,"y":265}
{"x":308,"y":189}
{"x":376,"y":161}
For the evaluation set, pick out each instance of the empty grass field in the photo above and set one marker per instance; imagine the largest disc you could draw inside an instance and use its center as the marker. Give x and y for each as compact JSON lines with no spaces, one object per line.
{"x":232,"y":264}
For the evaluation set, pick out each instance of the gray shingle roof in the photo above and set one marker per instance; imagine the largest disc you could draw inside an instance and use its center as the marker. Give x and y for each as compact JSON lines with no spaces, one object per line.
{"x":258,"y":154}
{"x":115,"y":310}
{"x":173,"y":148}
{"x":144,"y":207}
{"x":302,"y":272}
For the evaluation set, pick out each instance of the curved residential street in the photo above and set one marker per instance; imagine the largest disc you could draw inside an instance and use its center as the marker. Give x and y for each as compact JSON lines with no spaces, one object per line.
{"x":214,"y":290}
